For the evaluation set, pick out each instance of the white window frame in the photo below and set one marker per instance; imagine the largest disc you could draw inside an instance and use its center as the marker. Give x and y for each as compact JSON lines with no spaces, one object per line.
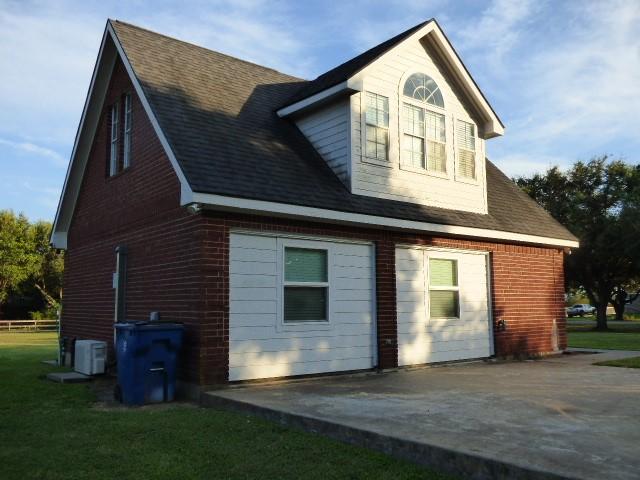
{"x":476,"y":144}
{"x":128,"y":119}
{"x":114,"y":139}
{"x":429,"y":287}
{"x":426,"y":107}
{"x":282,"y":244}
{"x":365,"y":158}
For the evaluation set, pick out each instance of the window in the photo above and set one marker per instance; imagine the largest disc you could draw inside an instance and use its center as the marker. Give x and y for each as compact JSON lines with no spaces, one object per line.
{"x":306,"y":285}
{"x":113,"y":149}
{"x":413,"y":136}
{"x":377,"y":127}
{"x":466,"y":142}
{"x":424,"y":142}
{"x":444,"y":293}
{"x":126,"y":159}
{"x":424,"y":89}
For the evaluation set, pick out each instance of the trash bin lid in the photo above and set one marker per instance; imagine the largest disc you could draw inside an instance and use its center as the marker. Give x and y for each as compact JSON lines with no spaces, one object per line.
{"x":156,"y":326}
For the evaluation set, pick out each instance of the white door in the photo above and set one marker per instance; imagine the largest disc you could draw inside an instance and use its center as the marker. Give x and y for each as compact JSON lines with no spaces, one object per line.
{"x":299,"y":306}
{"x":443,"y":305}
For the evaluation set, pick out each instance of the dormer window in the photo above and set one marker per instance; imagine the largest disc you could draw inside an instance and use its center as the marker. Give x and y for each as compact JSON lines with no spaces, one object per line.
{"x":377,"y":125}
{"x":466,"y":151}
{"x":423,"y":126}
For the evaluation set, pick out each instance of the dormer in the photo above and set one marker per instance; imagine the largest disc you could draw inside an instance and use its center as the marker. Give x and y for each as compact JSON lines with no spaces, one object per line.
{"x":403,"y":121}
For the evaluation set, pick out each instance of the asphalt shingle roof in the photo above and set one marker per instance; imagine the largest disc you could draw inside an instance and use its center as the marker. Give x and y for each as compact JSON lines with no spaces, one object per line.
{"x":218,"y":114}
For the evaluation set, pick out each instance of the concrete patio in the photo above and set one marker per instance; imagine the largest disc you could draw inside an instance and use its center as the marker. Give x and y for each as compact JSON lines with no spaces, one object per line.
{"x":560,"y":417}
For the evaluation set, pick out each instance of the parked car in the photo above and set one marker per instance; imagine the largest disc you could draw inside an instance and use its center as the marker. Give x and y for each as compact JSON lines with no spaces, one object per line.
{"x":580,"y":309}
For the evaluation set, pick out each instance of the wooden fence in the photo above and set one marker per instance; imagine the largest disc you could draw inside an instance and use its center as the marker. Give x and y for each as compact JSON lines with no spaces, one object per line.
{"x":28,"y":325}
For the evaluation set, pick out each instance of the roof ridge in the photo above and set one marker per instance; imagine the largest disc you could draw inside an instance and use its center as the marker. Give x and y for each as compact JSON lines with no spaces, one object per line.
{"x":191,"y":44}
{"x":378,"y":45}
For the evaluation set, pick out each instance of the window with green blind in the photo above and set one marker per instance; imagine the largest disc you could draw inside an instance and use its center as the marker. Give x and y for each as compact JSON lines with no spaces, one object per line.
{"x":444,"y":293}
{"x":306,"y":284}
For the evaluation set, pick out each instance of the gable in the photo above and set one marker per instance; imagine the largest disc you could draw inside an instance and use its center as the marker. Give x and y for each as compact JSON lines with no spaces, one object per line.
{"x":111,"y":203}
{"x":347,"y":78}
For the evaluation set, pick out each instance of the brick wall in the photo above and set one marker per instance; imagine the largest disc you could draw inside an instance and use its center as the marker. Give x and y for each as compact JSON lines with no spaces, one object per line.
{"x":140,"y":208}
{"x":178,"y":263}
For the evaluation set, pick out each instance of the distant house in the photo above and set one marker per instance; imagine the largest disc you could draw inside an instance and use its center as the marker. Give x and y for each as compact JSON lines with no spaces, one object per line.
{"x":302,"y":227}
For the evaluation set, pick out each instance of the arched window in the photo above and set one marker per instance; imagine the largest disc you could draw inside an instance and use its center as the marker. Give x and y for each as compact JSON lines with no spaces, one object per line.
{"x":423,"y":88}
{"x":424,"y":136}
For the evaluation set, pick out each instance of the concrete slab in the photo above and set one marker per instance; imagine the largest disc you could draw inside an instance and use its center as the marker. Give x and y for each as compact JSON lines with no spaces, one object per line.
{"x":68,"y":377}
{"x":560,"y":417}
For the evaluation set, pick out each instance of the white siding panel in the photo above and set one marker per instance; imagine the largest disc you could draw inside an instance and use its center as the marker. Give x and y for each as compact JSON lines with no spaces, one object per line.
{"x":328,"y":131}
{"x":261,"y":346}
{"x":425,"y":340}
{"x":385,"y":77}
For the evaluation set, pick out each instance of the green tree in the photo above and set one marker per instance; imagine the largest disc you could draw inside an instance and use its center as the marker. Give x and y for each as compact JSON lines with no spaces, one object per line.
{"x":46,"y":276}
{"x":18,"y":257}
{"x":599,"y":201}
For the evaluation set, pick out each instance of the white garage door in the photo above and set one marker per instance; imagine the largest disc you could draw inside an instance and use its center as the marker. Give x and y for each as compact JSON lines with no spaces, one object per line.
{"x":299,"y":306}
{"x":443,"y":306}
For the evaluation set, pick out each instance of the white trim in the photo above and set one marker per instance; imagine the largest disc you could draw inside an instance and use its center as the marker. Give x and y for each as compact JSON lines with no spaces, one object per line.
{"x":147,"y":108}
{"x":59,"y":232}
{"x":56,"y":236}
{"x":347,"y":86}
{"x":334,"y":216}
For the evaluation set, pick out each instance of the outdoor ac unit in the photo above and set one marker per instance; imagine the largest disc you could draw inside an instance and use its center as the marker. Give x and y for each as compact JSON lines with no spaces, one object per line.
{"x":91,"y":357}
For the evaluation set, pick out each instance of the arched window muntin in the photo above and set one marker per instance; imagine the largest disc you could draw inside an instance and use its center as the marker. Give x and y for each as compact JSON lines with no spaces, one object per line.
{"x":424,"y":89}
{"x":423,"y":125}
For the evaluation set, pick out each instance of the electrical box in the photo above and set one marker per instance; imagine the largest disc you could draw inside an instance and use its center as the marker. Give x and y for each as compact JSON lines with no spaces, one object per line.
{"x":90,"y":357}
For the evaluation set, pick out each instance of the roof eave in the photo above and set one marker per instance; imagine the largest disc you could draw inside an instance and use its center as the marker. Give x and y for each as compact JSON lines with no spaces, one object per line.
{"x":347,"y":87}
{"x":286,"y":210}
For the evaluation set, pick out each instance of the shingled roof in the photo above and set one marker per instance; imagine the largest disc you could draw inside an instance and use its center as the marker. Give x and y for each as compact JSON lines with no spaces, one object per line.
{"x":218,"y":115}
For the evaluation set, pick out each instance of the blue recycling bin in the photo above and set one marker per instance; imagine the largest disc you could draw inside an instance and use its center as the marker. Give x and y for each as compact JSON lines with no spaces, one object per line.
{"x":147,"y":356}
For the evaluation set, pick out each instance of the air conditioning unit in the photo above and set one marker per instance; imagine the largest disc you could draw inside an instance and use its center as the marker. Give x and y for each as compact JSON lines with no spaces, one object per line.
{"x":91,"y":357}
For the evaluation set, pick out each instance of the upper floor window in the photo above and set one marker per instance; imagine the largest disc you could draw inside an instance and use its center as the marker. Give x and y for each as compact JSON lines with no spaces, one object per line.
{"x":120,"y":122}
{"x":126,"y":159}
{"x":377,"y":127}
{"x":113,"y":150}
{"x":424,"y":135}
{"x":466,"y":149}
{"x":423,"y":88}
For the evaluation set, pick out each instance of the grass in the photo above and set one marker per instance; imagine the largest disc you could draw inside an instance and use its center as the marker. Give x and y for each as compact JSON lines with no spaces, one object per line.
{"x":633,"y":362}
{"x":54,"y":431}
{"x":622,"y":336}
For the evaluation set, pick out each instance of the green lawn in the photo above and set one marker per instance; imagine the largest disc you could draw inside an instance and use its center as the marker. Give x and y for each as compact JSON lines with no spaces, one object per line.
{"x":621,"y":336}
{"x":53,"y":431}
{"x":633,"y":362}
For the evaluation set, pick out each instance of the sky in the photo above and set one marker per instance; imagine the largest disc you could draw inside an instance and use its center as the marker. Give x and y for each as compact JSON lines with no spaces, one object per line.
{"x":564,"y":77}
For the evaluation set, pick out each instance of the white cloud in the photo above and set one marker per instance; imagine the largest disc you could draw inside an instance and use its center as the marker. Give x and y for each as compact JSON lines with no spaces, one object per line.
{"x":30,"y":148}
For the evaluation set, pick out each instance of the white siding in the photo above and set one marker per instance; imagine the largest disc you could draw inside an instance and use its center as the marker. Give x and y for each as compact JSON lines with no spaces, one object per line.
{"x":260,"y":346}
{"x":385,"y":77}
{"x":328,"y":131}
{"x":424,"y":340}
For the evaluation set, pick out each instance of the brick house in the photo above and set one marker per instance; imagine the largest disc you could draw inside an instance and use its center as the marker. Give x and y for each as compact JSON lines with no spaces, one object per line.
{"x":302,"y":227}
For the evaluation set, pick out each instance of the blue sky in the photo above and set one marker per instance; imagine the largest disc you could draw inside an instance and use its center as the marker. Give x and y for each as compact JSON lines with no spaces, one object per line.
{"x":563,"y":76}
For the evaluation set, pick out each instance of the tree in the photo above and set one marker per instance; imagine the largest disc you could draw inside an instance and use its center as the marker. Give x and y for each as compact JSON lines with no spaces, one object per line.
{"x":599,"y":201}
{"x":18,"y":257}
{"x":46,"y":276}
